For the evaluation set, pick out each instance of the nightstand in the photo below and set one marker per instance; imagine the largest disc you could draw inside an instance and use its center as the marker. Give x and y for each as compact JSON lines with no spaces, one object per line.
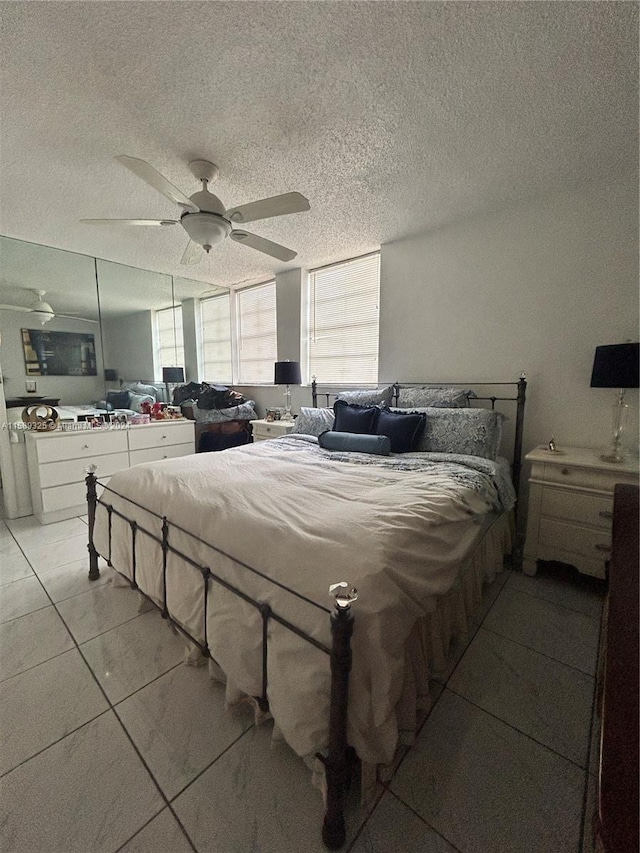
{"x":262,"y":430}
{"x":571,"y":508}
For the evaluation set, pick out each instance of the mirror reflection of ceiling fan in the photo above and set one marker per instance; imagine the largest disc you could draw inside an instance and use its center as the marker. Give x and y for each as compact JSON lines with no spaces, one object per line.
{"x":42,"y":311}
{"x":204,"y":216}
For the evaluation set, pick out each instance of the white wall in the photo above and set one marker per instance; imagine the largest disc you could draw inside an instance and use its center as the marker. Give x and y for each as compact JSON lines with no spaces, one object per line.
{"x":72,"y":390}
{"x":534,"y":288}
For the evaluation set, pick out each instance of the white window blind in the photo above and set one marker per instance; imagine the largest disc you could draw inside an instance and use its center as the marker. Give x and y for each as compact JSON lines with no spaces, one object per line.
{"x":343,"y":322}
{"x":170,"y":342}
{"x":215,"y":318}
{"x":257,"y":343}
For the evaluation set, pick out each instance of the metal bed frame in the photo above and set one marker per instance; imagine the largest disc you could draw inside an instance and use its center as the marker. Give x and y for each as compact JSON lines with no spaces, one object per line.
{"x":340,"y":756}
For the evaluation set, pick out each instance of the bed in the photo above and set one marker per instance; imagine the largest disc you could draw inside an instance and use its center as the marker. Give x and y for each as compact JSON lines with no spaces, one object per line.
{"x":242,"y":549}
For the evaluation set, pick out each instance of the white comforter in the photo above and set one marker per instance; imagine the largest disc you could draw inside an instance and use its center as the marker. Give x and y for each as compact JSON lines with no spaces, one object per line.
{"x":308,"y":518}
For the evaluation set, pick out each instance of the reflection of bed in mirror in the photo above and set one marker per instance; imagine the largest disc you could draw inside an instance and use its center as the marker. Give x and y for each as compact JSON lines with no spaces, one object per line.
{"x":239,"y":549}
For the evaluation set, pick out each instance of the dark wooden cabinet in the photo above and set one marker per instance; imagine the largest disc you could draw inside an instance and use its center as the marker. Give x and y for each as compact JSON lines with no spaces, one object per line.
{"x":616,"y":820}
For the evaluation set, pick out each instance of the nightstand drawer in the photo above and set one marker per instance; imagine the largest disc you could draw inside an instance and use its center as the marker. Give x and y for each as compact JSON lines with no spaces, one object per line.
{"x":585,"y":478}
{"x":270,"y":429}
{"x":577,"y":540}
{"x":575,"y":506}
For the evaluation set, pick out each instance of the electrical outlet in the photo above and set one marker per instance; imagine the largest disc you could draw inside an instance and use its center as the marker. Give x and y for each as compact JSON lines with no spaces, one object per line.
{"x":31,"y":386}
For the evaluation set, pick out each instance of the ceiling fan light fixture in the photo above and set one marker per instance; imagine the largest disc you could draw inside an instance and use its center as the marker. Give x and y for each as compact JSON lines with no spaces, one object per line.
{"x":206,"y":229}
{"x":43,"y":315}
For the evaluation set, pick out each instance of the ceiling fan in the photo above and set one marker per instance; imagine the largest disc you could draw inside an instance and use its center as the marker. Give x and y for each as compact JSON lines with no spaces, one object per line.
{"x":43,"y":311}
{"x":204,"y":216}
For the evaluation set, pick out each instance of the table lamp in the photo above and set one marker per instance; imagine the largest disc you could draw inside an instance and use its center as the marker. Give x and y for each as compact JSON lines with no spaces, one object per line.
{"x":616,"y":366}
{"x":173,"y":375}
{"x":287,"y":373}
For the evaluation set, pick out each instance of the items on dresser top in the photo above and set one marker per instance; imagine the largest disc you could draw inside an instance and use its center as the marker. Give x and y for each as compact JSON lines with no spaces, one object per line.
{"x":571,"y":507}
{"x":58,"y":461}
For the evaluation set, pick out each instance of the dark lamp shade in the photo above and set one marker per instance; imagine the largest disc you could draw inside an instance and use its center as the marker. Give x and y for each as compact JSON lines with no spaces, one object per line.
{"x":173,"y":374}
{"x":616,"y":366}
{"x":287,"y":373}
{"x":111,"y":375}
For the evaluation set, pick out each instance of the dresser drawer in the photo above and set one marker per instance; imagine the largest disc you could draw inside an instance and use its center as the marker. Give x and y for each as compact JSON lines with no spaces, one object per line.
{"x":586,"y":478}
{"x":160,"y":435}
{"x":154,"y":454}
{"x":577,"y":506}
{"x":83,"y":445}
{"x":66,"y":497}
{"x":576,"y":539}
{"x":75,"y":470}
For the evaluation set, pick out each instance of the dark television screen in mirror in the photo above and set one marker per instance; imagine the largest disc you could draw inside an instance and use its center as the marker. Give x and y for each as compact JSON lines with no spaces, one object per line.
{"x":58,"y":353}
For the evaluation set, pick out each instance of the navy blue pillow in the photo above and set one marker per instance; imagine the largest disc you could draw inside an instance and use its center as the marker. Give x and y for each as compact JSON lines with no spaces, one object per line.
{"x":404,"y":430}
{"x":118,"y":399}
{"x":379,"y":445}
{"x":358,"y":419}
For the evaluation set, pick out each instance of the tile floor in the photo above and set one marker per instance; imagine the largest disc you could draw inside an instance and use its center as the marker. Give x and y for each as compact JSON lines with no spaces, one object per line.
{"x":110,"y":743}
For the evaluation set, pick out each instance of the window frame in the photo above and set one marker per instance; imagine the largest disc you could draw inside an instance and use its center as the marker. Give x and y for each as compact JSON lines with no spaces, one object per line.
{"x":307,"y":307}
{"x":158,"y":348}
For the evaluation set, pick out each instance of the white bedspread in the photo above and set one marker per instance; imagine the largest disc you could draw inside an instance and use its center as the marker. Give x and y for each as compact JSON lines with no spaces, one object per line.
{"x":396,"y":528}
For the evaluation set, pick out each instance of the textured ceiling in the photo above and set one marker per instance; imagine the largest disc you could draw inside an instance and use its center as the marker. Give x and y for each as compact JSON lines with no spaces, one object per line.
{"x":392,"y":118}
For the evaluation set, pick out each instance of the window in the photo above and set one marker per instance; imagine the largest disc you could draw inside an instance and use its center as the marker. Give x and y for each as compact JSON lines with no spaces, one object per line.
{"x":257,"y":342}
{"x":215,"y":337}
{"x":170,"y":344}
{"x":343,"y":322}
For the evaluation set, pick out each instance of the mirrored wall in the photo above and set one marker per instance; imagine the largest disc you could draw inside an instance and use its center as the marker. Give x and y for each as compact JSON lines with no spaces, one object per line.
{"x":109,"y":306}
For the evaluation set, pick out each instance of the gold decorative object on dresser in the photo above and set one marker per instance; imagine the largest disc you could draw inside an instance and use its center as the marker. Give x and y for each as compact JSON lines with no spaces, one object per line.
{"x":571,"y":507}
{"x":262,"y":429}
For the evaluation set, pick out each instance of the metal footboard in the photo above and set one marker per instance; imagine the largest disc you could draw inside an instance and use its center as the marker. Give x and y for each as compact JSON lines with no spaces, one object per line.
{"x":338,"y":761}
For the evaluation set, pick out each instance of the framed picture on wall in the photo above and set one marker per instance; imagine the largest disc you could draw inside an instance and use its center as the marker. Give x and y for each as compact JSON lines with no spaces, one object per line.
{"x":59,"y":353}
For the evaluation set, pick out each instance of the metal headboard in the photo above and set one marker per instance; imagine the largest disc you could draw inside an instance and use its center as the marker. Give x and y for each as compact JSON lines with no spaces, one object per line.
{"x":519,"y":391}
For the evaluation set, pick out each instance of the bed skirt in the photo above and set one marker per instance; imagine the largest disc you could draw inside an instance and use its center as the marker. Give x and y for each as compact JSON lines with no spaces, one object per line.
{"x":426,"y":651}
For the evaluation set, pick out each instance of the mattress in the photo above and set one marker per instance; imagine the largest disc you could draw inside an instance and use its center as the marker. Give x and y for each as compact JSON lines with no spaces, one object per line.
{"x":401,"y":529}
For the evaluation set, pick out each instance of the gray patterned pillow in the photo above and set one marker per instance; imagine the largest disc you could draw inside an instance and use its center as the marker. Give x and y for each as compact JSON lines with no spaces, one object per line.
{"x":472,"y":432}
{"x":368,"y":396}
{"x":141,"y":388}
{"x":442,"y":397}
{"x":314,"y":421}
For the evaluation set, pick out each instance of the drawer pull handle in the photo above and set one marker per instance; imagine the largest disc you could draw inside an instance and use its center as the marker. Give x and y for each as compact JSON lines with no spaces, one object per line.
{"x":599,"y":547}
{"x":565,"y":471}
{"x":163,"y":436}
{"x":85,"y":446}
{"x":605,"y":513}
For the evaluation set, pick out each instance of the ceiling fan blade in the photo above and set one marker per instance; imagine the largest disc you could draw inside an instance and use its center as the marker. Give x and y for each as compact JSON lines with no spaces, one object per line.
{"x":73,"y":317}
{"x":267,"y":207}
{"x":262,"y":245}
{"x":148,"y":174}
{"x":129,"y":221}
{"x":15,"y":308}
{"x":192,"y":254}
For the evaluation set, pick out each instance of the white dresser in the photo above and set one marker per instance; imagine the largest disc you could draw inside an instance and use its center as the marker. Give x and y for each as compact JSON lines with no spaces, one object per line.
{"x":571,"y":508}
{"x":57,"y":461}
